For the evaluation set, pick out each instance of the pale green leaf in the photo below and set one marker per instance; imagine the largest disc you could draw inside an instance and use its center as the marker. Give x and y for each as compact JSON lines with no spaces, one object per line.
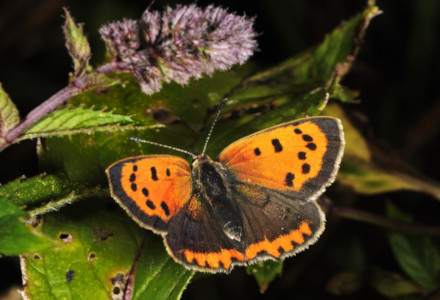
{"x":265,"y":272}
{"x":81,"y":120}
{"x":9,"y":116}
{"x":76,"y":44}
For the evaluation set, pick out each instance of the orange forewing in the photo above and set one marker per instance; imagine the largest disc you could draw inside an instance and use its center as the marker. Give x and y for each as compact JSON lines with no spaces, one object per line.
{"x":154,"y":186}
{"x":283,"y":157}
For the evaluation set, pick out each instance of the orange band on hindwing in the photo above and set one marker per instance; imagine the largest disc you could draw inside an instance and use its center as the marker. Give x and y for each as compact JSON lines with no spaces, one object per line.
{"x":224,"y":258}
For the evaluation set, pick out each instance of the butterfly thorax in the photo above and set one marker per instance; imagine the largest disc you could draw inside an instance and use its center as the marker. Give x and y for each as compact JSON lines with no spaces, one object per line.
{"x":210,"y":183}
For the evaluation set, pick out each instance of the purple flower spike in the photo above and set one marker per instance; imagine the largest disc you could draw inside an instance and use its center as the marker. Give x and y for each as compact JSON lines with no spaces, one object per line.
{"x":121,"y":38}
{"x":181,"y":43}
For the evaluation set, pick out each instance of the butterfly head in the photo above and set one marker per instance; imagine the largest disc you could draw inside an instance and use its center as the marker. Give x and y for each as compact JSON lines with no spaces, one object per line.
{"x":199,"y":161}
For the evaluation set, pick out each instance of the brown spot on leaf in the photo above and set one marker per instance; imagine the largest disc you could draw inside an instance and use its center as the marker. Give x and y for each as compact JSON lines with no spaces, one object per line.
{"x":101,"y":234}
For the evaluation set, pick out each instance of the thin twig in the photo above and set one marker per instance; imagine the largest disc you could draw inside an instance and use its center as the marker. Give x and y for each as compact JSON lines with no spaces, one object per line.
{"x":129,"y":286}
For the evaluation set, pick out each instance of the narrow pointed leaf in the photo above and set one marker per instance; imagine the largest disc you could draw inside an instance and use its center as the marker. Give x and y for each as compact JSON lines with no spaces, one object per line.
{"x":9,"y":116}
{"x":335,"y":55}
{"x":76,"y":44}
{"x":265,"y":272}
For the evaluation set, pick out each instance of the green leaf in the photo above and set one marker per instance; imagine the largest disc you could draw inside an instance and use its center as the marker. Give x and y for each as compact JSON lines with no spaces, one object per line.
{"x":157,"y":275}
{"x":335,"y":55}
{"x":418,"y":257}
{"x":44,"y":193}
{"x":9,"y":116}
{"x":98,"y":246}
{"x":369,"y":178}
{"x":80,"y":120}
{"x":15,"y":237}
{"x":416,"y":254}
{"x":77,"y":45}
{"x":265,"y":272}
{"x":343,"y":93}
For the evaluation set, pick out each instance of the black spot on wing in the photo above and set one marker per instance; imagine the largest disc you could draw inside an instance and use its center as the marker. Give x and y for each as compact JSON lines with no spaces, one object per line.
{"x":297,"y":131}
{"x":257,"y":151}
{"x":307,"y":138}
{"x":289,"y":179}
{"x":150,"y":204}
{"x":154,"y":174}
{"x":168,"y":172}
{"x":145,"y":192}
{"x":133,"y":187}
{"x":311,"y":146}
{"x":165,"y":208}
{"x":132,"y":177}
{"x":135,"y":168}
{"x":277,"y":145}
{"x":302,"y":155}
{"x":305,"y":168}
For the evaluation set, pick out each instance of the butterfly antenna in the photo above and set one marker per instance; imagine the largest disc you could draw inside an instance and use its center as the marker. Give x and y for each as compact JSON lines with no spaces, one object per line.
{"x":132,"y":138}
{"x":222,"y":104}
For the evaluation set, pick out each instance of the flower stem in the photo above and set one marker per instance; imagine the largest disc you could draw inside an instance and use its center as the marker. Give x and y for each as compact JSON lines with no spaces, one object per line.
{"x":40,"y":111}
{"x":77,"y":86}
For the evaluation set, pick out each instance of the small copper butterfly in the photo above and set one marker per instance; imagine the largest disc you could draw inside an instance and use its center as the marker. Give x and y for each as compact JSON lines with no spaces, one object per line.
{"x":257,"y":202}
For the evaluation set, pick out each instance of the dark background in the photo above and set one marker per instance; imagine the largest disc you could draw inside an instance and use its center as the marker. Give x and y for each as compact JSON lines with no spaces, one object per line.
{"x":397,"y":73}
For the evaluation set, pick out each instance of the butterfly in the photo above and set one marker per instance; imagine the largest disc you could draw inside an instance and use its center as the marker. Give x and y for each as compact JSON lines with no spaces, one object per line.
{"x":256,"y":202}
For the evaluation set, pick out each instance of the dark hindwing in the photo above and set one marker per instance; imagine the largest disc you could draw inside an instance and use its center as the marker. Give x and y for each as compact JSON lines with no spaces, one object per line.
{"x":196,"y":240}
{"x":276,"y":223}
